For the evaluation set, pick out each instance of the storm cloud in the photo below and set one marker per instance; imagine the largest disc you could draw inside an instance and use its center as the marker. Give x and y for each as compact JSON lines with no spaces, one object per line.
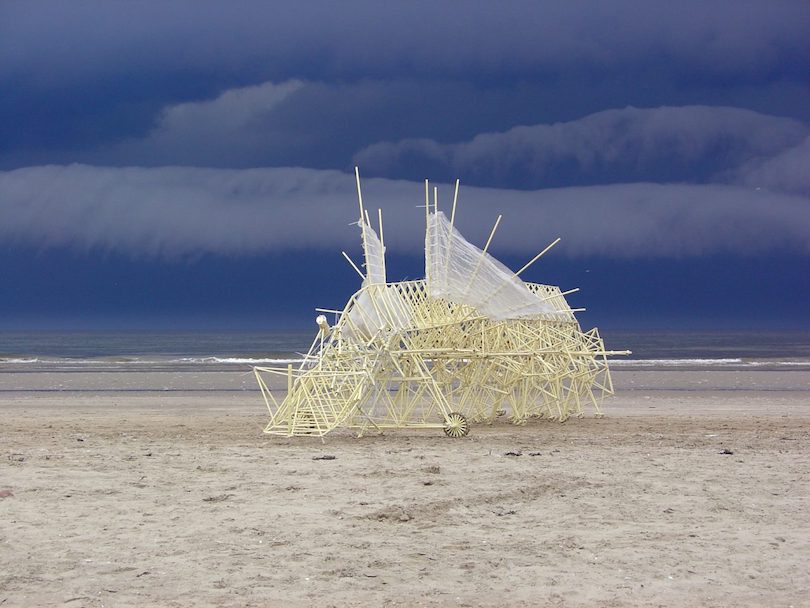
{"x":173,"y":211}
{"x":80,"y":79}
{"x":165,"y":136}
{"x":788,"y":171}
{"x":660,"y":144}
{"x":441,"y":38}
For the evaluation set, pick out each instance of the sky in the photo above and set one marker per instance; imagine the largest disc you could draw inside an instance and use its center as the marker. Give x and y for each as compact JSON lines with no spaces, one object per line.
{"x":190,"y":165}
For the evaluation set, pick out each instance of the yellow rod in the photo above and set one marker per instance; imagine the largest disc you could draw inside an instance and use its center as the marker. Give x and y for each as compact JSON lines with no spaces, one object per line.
{"x":483,"y":254}
{"x":492,"y":234}
{"x":427,"y":232}
{"x":362,"y":214}
{"x":455,"y":198}
{"x":346,"y":255}
{"x":382,"y":242}
{"x":538,"y":256}
{"x":557,"y":295}
{"x":450,"y":236}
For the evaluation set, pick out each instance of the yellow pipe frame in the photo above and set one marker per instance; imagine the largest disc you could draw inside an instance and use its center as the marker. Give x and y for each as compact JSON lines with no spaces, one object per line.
{"x":425,"y":362}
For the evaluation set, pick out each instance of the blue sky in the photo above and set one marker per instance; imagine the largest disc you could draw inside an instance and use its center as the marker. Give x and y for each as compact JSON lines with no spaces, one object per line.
{"x":189,"y":164}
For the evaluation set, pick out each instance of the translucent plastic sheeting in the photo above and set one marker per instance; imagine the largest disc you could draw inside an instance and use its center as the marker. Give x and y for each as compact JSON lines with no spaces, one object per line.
{"x":375,"y":257}
{"x":377,"y":307}
{"x":461,"y":273}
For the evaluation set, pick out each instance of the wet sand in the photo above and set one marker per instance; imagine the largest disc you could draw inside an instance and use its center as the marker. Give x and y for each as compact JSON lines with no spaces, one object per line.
{"x":159,"y":488}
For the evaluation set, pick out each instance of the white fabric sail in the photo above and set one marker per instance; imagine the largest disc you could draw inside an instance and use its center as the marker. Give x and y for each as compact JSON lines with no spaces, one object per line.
{"x":459,"y":272}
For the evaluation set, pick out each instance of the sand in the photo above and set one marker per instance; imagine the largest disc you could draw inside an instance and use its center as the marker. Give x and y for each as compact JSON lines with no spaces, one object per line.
{"x":693,"y":491}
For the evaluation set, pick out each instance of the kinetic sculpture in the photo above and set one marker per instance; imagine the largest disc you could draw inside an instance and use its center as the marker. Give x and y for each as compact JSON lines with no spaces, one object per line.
{"x":469,"y":343}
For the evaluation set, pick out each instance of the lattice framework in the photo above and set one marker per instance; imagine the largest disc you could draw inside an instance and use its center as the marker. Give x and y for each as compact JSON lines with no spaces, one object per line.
{"x":398,"y":356}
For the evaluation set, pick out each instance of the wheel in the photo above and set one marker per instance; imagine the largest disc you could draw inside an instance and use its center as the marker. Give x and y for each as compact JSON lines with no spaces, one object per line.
{"x":456,"y":425}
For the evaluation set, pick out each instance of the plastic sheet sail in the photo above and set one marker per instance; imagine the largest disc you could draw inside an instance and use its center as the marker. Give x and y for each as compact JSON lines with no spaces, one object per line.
{"x":468,"y":344}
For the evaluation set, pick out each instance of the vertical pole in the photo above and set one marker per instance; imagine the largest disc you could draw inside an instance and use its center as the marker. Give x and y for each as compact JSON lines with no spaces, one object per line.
{"x":382,"y":242}
{"x":450,"y":235}
{"x":427,"y":233}
{"x":362,"y":214}
{"x":455,"y":198}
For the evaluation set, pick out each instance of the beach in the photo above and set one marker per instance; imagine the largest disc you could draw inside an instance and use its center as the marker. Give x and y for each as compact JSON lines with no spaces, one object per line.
{"x":156,"y":487}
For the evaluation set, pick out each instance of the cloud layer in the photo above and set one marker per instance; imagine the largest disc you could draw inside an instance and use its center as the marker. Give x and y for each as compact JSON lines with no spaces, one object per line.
{"x":510,"y":99}
{"x":282,"y":41}
{"x":173,"y":211}
{"x":667,"y":144}
{"x":79,"y":79}
{"x":788,"y":171}
{"x":237,"y":126}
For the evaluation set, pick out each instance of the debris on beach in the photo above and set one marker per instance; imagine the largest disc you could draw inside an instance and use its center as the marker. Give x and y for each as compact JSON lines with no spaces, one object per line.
{"x":218,"y":498}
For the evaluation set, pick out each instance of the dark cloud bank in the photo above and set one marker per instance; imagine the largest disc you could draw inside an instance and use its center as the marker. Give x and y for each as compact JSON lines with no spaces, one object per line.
{"x":668,"y":144}
{"x":731,"y":180}
{"x":175,"y":211}
{"x":160,"y":133}
{"x":78,"y":75}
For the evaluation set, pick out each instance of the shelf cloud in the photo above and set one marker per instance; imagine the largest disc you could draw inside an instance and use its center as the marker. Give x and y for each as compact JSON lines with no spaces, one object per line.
{"x":613,"y":146}
{"x":177,"y":211}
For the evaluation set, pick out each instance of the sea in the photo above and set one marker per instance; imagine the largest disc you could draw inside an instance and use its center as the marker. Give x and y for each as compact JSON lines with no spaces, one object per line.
{"x":84,"y":350}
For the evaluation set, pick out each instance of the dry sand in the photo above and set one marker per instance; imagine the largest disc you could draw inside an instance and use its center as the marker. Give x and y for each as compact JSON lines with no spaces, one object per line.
{"x":693,"y":491}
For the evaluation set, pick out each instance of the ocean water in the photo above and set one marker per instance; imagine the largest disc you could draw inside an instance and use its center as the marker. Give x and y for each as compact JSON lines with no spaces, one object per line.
{"x":171,"y":349}
{"x":154,"y":347}
{"x":749,"y":348}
